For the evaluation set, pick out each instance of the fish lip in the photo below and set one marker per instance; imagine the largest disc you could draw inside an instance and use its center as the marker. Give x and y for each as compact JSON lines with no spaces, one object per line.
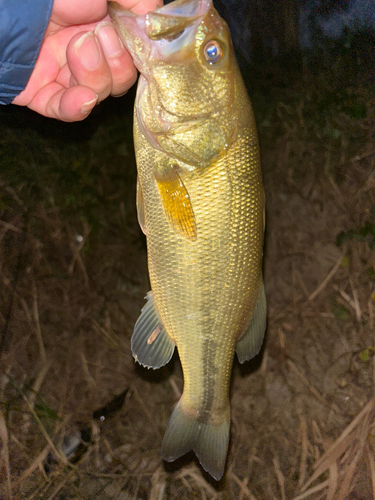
{"x":131,"y":29}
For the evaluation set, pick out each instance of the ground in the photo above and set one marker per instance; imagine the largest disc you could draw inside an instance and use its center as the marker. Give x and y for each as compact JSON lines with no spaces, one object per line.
{"x":79,"y":419}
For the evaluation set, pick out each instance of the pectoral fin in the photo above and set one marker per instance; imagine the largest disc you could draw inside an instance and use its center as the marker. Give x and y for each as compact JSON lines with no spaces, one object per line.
{"x":251,"y":342}
{"x":177,"y":204}
{"x":151,"y":346}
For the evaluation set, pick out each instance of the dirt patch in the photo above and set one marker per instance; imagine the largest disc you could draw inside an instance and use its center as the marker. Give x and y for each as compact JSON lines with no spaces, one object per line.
{"x":80,"y":420}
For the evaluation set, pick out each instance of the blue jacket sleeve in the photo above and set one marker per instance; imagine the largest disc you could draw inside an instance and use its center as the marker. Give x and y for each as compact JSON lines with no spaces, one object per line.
{"x":22,"y":27}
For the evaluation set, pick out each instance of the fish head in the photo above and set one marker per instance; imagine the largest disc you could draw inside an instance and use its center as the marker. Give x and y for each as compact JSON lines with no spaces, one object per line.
{"x":185,"y":96}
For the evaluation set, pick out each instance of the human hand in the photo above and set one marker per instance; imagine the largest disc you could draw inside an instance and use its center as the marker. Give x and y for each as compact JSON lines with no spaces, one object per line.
{"x":81,"y":61}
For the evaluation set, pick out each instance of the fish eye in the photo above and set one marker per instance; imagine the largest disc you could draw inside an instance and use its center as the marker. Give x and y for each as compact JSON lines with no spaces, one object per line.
{"x":213,"y":52}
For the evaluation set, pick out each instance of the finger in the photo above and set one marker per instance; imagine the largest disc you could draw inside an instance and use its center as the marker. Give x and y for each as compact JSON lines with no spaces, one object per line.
{"x":88,"y":64}
{"x":71,"y":12}
{"x":119,"y":61}
{"x":76,"y":103}
{"x":140,"y":6}
{"x":72,"y":104}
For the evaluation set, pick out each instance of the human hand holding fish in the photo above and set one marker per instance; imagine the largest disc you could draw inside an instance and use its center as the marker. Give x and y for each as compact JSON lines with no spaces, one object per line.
{"x":200,"y":202}
{"x":81,"y":61}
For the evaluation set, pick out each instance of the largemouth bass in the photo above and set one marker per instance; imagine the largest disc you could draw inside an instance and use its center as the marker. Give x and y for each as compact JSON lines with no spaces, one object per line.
{"x":200,"y":203}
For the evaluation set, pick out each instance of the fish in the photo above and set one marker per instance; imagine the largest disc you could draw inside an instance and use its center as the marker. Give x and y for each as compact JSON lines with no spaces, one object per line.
{"x":200,"y":203}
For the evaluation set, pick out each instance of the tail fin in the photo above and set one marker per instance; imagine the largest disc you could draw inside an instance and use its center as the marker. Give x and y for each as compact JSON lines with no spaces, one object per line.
{"x":208,"y":441}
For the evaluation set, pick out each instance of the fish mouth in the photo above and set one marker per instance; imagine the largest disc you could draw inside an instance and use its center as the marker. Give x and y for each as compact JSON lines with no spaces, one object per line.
{"x":160,"y":33}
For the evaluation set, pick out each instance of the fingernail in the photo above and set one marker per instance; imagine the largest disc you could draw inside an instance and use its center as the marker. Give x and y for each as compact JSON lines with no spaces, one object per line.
{"x":89,"y":105}
{"x":111,"y":44}
{"x":88,"y":50}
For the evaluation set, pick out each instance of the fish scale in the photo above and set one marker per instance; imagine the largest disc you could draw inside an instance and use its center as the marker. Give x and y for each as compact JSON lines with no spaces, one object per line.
{"x":201,"y":206}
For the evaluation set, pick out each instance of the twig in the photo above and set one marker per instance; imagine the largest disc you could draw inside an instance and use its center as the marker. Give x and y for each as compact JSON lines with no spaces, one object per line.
{"x":158,"y":485}
{"x":370,"y":305}
{"x":371,"y":460}
{"x":34,"y":392}
{"x":59,"y":455}
{"x":243,"y":485}
{"x":341,"y":445}
{"x":145,"y":409}
{"x":109,"y":337}
{"x":368,"y":408}
{"x":346,"y":297}
{"x":76,"y":247}
{"x":357,"y":307}
{"x":33,"y":319}
{"x":346,"y":481}
{"x":315,"y":489}
{"x":17,"y":274}
{"x":36,"y":463}
{"x":280,"y":476}
{"x":333,"y":479}
{"x":61,"y":484}
{"x":90,"y":380}
{"x":328,"y":278}
{"x":304,"y":444}
{"x":200,"y":481}
{"x":4,"y":454}
{"x":38,"y":330}
{"x":10,"y":227}
{"x":176,"y":390}
{"x":304,"y":380}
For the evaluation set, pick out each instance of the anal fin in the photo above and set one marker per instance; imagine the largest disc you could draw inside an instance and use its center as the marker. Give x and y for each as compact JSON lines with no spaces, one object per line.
{"x":251,"y":342}
{"x":151,"y":346}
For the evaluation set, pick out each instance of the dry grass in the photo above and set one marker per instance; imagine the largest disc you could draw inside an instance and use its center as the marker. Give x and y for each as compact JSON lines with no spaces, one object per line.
{"x":303,"y":413}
